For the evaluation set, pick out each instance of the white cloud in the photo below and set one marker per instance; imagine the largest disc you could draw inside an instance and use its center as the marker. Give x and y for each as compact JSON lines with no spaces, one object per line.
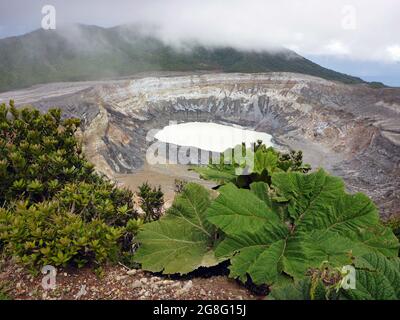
{"x":335,"y":47}
{"x":359,"y":29}
{"x":394,"y":52}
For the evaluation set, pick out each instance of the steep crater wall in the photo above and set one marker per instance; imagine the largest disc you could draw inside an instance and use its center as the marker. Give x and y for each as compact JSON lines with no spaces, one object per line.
{"x":352,"y":131}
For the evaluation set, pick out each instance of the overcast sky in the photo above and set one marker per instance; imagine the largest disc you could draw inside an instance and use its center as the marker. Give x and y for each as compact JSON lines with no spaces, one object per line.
{"x":335,"y":32}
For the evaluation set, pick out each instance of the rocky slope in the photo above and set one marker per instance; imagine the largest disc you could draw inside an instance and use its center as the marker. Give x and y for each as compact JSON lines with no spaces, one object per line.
{"x":352,"y":130}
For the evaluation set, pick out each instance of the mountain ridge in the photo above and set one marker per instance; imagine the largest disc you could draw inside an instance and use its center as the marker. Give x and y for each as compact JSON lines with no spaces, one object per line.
{"x":76,"y":52}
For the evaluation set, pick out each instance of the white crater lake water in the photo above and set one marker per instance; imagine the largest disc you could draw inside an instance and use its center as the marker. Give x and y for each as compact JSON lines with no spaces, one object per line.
{"x":210,"y":136}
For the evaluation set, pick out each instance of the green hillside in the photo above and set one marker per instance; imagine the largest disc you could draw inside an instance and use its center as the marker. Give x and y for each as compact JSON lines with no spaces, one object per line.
{"x":89,"y":52}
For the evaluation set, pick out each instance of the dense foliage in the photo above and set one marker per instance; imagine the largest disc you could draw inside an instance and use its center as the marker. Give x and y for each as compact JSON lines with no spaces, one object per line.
{"x":377,"y":278}
{"x":40,"y":156}
{"x":44,"y":234}
{"x":264,"y":161}
{"x":274,"y":229}
{"x":56,"y":209}
{"x":319,"y":222}
{"x":151,"y":201}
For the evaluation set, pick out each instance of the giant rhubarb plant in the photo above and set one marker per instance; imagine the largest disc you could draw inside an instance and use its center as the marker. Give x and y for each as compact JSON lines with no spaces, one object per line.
{"x":183,"y":240}
{"x":269,"y":233}
{"x":320,"y":223}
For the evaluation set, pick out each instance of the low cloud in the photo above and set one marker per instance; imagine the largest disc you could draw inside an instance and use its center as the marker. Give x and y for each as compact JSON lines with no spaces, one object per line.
{"x":394,"y":52}
{"x":335,"y":47}
{"x":364,"y":30}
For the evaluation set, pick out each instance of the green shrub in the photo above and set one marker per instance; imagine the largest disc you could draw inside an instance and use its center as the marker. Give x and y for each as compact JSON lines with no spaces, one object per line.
{"x":57,"y":209}
{"x":44,"y":233}
{"x":40,"y":156}
{"x":100,"y":200}
{"x":38,"y":151}
{"x":129,"y":242}
{"x":151,"y":201}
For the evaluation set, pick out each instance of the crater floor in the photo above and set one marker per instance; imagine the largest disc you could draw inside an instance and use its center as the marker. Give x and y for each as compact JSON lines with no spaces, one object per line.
{"x":351,"y":130}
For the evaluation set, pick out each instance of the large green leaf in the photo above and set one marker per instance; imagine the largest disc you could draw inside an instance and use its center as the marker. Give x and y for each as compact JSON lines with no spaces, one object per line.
{"x":219,"y":173}
{"x":309,"y":194}
{"x":300,"y":290}
{"x":324,"y":224}
{"x":263,"y":192}
{"x":377,"y":278}
{"x":183,"y":239}
{"x":238,"y":210}
{"x":224,"y":171}
{"x":266,"y":160}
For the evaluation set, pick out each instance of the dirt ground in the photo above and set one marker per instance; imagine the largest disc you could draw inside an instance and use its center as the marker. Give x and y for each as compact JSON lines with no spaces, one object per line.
{"x":163,"y":175}
{"x":118,"y":283}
